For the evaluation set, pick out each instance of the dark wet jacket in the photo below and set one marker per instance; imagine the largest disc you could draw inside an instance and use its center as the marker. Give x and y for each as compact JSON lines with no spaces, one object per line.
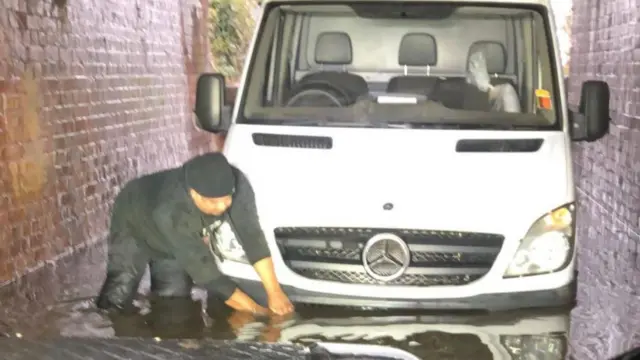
{"x":161,"y":216}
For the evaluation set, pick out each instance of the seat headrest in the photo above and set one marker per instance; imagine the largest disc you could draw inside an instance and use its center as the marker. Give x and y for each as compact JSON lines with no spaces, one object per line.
{"x":494,"y":53}
{"x":418,"y":49}
{"x":333,"y":48}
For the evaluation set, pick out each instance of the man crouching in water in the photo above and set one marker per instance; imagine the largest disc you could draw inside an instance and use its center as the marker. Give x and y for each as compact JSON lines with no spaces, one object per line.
{"x":165,"y":220}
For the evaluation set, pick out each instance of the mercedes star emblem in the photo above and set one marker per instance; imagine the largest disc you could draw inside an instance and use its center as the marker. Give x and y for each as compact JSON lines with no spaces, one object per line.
{"x":386,"y":257}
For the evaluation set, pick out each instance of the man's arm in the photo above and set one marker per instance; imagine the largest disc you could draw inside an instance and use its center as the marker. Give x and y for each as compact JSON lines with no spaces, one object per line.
{"x":244,"y":215}
{"x":183,"y":241}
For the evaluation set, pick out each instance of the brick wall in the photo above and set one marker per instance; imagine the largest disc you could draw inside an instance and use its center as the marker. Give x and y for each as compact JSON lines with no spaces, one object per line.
{"x":92,"y":93}
{"x":606,"y":46}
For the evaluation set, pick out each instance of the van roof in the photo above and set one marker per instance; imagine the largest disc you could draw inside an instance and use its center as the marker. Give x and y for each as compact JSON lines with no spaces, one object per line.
{"x":522,"y":2}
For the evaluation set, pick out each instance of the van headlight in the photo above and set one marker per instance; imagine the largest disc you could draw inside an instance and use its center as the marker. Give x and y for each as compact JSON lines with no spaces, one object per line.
{"x":227,"y":245}
{"x":548,"y":245}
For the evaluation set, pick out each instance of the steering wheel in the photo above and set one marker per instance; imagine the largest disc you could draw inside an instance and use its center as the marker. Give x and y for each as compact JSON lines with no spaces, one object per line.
{"x":336,"y":95}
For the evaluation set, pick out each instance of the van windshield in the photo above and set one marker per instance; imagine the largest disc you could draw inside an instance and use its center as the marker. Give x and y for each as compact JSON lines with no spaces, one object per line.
{"x":402,"y":64}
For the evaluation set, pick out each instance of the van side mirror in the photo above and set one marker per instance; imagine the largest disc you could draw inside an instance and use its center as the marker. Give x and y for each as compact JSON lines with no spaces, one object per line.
{"x":591,"y":121}
{"x":211,"y":113}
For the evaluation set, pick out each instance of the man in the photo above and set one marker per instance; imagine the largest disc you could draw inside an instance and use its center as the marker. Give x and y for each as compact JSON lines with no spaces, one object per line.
{"x":163,"y":220}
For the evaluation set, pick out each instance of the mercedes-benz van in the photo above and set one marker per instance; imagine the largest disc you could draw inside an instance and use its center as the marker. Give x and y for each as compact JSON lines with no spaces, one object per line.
{"x":408,"y":154}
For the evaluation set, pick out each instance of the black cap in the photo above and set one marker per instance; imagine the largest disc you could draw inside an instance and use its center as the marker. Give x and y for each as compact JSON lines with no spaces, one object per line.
{"x":210,"y":175}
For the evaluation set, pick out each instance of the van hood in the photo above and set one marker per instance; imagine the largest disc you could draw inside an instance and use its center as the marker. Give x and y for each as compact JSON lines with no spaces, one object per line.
{"x":411,"y":178}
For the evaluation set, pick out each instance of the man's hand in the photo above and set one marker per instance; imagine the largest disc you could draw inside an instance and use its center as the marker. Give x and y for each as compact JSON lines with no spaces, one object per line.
{"x":278,"y":301}
{"x":242,"y":302}
{"x":273,"y":331}
{"x":239,"y":319}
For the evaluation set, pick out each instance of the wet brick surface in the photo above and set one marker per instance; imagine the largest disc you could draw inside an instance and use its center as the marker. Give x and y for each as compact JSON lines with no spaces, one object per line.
{"x":606,"y":42}
{"x":27,"y":303}
{"x":92,"y":94}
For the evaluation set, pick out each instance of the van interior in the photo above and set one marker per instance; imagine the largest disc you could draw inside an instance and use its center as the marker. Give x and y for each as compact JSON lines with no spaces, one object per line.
{"x":403,"y":62}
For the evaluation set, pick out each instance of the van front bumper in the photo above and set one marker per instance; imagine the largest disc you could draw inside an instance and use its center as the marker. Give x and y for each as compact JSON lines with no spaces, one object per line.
{"x":560,"y":297}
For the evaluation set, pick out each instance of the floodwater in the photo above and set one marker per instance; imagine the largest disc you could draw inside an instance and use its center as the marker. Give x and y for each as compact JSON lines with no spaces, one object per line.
{"x":428,"y":336}
{"x":67,"y":309}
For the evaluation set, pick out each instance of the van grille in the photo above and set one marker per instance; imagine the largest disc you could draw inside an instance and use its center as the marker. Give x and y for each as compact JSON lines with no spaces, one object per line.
{"x":352,"y":277}
{"x":437,"y":257}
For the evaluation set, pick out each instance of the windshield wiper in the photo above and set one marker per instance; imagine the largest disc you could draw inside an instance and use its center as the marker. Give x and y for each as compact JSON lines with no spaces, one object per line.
{"x":461,"y":126}
{"x":442,"y":124}
{"x":312,"y":122}
{"x":315,"y":122}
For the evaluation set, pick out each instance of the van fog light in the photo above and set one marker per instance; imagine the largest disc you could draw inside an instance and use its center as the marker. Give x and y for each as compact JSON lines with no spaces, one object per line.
{"x":547,"y":247}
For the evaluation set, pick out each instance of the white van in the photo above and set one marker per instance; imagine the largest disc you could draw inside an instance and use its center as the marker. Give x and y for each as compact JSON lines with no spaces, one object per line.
{"x":409,"y":154}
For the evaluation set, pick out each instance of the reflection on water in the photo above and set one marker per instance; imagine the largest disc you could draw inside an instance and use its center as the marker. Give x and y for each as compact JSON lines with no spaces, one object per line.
{"x":428,"y":336}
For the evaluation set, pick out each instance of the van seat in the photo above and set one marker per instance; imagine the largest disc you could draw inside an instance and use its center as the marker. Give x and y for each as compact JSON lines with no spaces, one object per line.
{"x":334,"y":52}
{"x":496,"y":57}
{"x":416,"y":50}
{"x":456,"y":93}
